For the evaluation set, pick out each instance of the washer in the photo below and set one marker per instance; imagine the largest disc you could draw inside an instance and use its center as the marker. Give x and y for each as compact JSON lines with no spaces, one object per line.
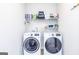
{"x":53,"y":43}
{"x":31,"y":43}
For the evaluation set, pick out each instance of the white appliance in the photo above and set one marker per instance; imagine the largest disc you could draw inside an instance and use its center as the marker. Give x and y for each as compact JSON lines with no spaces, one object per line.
{"x":31,"y":43}
{"x":52,"y":43}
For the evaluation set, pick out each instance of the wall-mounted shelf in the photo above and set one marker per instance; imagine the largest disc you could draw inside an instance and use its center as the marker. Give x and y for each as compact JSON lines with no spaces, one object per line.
{"x":32,"y":20}
{"x":74,"y":6}
{"x":41,"y":25}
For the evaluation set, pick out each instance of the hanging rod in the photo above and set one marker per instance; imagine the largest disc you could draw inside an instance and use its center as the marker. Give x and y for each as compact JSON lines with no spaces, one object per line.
{"x":74,"y":7}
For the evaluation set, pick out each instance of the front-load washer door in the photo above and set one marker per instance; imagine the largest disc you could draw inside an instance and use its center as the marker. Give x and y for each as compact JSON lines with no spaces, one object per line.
{"x":31,"y":45}
{"x":53,"y":45}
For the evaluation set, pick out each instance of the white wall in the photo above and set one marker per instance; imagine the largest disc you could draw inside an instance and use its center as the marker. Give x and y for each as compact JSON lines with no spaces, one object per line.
{"x":69,"y":26}
{"x":12,"y":25}
{"x":11,"y":28}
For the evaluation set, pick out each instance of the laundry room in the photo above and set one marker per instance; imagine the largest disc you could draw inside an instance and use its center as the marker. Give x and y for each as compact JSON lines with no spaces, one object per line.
{"x":39,"y":29}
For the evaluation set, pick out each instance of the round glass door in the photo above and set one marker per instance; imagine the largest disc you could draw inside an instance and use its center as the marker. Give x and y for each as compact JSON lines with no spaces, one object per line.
{"x":31,"y":45}
{"x":53,"y":45}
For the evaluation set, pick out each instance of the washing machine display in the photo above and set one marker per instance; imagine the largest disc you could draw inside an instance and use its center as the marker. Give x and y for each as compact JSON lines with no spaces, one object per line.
{"x":53,"y":45}
{"x":31,"y":45}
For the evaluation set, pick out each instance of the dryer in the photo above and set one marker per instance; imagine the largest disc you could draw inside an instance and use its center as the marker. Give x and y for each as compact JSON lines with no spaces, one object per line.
{"x":31,"y":43}
{"x":52,"y":43}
